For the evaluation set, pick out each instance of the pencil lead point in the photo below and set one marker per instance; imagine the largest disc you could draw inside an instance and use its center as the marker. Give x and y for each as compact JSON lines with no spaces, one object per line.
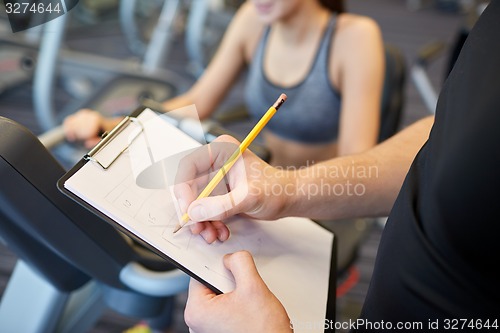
{"x":177,"y":228}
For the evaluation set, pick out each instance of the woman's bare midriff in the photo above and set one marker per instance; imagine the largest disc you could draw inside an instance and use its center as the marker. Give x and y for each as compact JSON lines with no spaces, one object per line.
{"x":287,"y":153}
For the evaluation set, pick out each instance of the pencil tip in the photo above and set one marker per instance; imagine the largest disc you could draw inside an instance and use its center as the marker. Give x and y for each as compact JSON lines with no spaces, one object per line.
{"x":185,"y":219}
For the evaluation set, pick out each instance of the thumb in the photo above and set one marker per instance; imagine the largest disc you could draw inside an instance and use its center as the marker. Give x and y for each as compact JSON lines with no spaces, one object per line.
{"x":212,"y":208}
{"x":219,"y":207}
{"x":242,"y":266}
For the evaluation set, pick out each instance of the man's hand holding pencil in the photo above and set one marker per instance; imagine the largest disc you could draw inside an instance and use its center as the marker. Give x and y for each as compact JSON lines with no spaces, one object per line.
{"x":223,"y":179}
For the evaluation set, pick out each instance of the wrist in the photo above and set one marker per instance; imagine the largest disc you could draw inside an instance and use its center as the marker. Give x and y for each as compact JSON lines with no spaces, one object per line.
{"x":302,"y":194}
{"x":288,"y":193}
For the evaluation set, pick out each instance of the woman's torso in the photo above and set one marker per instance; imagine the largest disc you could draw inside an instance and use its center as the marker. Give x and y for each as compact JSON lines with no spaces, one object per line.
{"x":306,"y":128}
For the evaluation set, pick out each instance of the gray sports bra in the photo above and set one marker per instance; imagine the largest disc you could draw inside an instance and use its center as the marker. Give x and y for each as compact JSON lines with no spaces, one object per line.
{"x":311,"y":113}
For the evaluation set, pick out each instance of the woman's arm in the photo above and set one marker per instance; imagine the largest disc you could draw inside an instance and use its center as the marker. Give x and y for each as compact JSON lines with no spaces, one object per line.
{"x":359,"y":73}
{"x":225,"y":66}
{"x":206,"y":93}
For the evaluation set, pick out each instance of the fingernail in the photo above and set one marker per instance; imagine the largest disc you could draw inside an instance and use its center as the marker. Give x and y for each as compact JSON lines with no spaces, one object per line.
{"x":198,"y":213}
{"x":220,"y":233}
{"x":207,"y":236}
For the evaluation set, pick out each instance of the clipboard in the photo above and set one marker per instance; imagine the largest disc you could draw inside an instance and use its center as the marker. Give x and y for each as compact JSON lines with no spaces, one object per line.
{"x":295,"y":256}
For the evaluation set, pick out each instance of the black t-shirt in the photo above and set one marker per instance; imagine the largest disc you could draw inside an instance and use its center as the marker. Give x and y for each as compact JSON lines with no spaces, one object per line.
{"x":441,"y":245}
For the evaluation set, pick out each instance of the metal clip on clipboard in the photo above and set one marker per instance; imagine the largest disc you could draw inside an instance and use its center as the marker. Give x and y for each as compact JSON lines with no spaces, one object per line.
{"x":107,"y":138}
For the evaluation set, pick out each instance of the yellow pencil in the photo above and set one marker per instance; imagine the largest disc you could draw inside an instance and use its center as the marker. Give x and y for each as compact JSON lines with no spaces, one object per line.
{"x":234,"y":157}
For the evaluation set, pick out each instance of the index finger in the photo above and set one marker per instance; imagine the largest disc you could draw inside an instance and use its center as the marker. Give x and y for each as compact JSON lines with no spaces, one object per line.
{"x":195,"y":168}
{"x":205,"y":158}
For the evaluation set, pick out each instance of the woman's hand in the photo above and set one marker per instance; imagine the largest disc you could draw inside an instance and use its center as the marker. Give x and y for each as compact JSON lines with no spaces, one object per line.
{"x":87,"y":126}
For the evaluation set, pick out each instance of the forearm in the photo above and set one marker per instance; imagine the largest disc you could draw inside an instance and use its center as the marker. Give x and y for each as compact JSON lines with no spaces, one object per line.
{"x":355,"y":186}
{"x":204,"y":103}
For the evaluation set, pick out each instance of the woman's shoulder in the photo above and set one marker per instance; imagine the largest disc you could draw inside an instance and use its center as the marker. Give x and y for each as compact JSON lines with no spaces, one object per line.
{"x":355,"y":26}
{"x":356,"y":40}
{"x":247,"y":27}
{"x":246,"y":18}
